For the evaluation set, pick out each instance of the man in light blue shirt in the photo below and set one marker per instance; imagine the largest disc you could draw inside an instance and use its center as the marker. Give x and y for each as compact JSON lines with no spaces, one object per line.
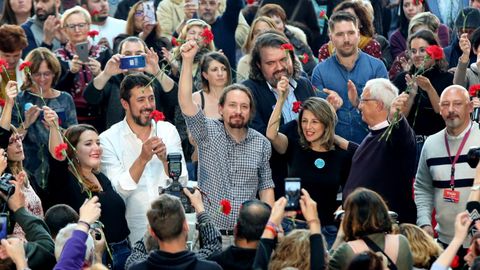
{"x":348,"y":63}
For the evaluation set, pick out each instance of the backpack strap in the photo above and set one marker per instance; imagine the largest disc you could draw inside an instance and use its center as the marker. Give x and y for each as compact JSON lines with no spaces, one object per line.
{"x":375,"y":248}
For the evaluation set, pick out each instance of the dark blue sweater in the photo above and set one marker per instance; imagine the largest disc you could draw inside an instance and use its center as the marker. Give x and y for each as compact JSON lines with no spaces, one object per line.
{"x":224,"y":30}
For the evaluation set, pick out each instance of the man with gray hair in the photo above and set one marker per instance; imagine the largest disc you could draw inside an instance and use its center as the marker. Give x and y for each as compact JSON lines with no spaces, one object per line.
{"x":444,"y":178}
{"x":385,"y":164}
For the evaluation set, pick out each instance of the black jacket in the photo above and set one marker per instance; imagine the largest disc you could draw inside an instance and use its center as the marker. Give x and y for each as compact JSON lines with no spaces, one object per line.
{"x":186,"y":260}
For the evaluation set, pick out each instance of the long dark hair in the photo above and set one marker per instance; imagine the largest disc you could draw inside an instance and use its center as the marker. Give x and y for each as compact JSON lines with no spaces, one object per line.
{"x":403,"y":22}
{"x":72,"y":134}
{"x":205,"y":63}
{"x":431,"y":39}
{"x":8,"y":16}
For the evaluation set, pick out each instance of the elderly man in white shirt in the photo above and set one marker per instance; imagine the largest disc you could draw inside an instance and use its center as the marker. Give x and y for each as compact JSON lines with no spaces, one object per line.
{"x":135,"y":152}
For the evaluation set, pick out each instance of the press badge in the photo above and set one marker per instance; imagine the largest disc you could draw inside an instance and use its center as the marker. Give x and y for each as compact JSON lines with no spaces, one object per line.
{"x":450,"y":195}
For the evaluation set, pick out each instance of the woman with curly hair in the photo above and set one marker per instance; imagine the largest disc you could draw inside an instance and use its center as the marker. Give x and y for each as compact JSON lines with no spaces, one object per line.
{"x":424,"y":248}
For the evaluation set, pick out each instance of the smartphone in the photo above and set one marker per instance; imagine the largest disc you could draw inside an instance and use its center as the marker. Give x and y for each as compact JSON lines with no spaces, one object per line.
{"x":292,"y":193}
{"x":3,"y":226}
{"x":82,"y":51}
{"x":149,"y":12}
{"x":135,"y":61}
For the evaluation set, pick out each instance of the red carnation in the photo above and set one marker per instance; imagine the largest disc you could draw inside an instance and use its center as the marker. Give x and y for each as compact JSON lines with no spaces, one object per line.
{"x":174,"y":42}
{"x":297,"y":105}
{"x":250,"y":2}
{"x":455,"y":263}
{"x":3,"y":64}
{"x":304,"y":58}
{"x":207,"y":36}
{"x":25,"y":65}
{"x":435,"y":52}
{"x":225,"y":207}
{"x":287,"y":46}
{"x":323,"y":14}
{"x":2,"y":102}
{"x":60,"y":150}
{"x":95,"y":12}
{"x":417,"y":2}
{"x":474,"y":90}
{"x":93,"y":33}
{"x":157,"y":116}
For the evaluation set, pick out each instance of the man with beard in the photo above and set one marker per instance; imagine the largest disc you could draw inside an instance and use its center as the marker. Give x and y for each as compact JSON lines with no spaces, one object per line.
{"x":232,"y":158}
{"x":108,"y":27}
{"x":444,"y":178}
{"x":269,"y":63}
{"x":347,"y":67}
{"x":135,"y":152}
{"x":43,"y":29}
{"x":104,"y":90}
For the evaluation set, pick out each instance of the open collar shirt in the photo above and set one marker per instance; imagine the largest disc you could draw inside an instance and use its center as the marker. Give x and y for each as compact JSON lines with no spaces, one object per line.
{"x":227,"y":169}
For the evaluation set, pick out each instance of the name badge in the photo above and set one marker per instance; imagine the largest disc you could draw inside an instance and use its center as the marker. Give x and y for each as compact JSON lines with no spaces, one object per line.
{"x":452,"y":196}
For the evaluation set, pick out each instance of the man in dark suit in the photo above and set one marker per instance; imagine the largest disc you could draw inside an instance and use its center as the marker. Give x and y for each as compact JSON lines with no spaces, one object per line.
{"x":271,"y":59}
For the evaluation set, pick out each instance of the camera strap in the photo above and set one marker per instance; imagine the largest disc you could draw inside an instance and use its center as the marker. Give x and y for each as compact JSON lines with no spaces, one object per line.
{"x":454,"y":161}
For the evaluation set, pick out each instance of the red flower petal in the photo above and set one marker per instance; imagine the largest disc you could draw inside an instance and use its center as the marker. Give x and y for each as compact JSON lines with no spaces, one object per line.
{"x":287,"y":47}
{"x":207,"y":36}
{"x":93,"y":33}
{"x":2,"y":102}
{"x":435,"y":52}
{"x":3,"y":64}
{"x":250,"y":2}
{"x":157,"y":116}
{"x":60,"y":150}
{"x":474,"y":90}
{"x":322,"y":14}
{"x":304,"y":58}
{"x":94,"y":12}
{"x":456,"y":262}
{"x":26,"y":64}
{"x":225,"y":206}
{"x":297,"y":105}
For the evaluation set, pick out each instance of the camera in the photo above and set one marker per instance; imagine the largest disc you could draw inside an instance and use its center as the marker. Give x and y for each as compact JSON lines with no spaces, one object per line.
{"x":95,"y":228}
{"x":473,"y":156}
{"x":5,"y":187}
{"x":175,"y":188}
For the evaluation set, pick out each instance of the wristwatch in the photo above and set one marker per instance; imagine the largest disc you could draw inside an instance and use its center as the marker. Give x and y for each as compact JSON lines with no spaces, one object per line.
{"x":475,"y":187}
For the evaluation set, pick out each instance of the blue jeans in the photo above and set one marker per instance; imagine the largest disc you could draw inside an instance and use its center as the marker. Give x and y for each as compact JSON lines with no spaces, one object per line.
{"x":120,"y":253}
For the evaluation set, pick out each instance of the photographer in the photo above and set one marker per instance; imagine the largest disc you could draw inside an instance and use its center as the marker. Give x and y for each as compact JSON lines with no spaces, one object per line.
{"x":39,"y":248}
{"x":168,"y":225}
{"x":286,"y":251}
{"x":104,"y":90}
{"x":74,"y":243}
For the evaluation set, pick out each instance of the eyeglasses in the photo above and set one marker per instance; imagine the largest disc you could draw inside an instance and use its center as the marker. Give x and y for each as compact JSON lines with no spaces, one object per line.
{"x":81,"y":26}
{"x":16,"y":138}
{"x":363,"y":100}
{"x":139,"y":13}
{"x":46,"y":74}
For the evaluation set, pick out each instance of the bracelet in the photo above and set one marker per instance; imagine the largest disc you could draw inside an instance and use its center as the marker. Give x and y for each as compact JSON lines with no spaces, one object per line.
{"x":84,"y":223}
{"x":272,"y":230}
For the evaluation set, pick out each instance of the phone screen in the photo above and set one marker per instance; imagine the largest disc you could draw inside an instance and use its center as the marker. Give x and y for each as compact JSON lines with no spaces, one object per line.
{"x":292,"y":193}
{"x":82,"y":51}
{"x":149,"y":11}
{"x":3,"y":226}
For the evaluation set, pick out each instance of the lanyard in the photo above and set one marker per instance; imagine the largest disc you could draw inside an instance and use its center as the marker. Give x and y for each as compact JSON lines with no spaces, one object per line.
{"x":454,"y":161}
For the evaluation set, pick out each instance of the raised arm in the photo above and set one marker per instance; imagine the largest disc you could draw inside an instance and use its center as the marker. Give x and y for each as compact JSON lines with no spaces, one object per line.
{"x":188,"y":51}
{"x":11,"y":91}
{"x":278,"y":140}
{"x":54,"y":138}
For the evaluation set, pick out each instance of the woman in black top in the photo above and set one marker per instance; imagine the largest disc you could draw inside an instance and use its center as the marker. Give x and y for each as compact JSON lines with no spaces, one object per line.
{"x":308,"y":144}
{"x":73,"y":182}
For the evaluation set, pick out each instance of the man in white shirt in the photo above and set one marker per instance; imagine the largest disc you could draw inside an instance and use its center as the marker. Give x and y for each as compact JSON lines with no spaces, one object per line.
{"x":108,"y":27}
{"x":135,"y":152}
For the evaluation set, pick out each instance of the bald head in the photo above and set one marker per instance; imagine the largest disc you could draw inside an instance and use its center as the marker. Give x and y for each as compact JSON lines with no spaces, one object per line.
{"x":455,"y":108}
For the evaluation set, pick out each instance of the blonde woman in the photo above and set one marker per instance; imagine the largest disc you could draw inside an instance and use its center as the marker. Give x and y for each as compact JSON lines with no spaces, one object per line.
{"x":424,"y":248}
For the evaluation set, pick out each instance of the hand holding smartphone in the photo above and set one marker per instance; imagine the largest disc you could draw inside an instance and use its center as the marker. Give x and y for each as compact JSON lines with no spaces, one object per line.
{"x":292,"y":193}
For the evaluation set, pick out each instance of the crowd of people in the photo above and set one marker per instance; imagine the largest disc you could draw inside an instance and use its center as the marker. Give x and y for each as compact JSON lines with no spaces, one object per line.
{"x":119,"y":118}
